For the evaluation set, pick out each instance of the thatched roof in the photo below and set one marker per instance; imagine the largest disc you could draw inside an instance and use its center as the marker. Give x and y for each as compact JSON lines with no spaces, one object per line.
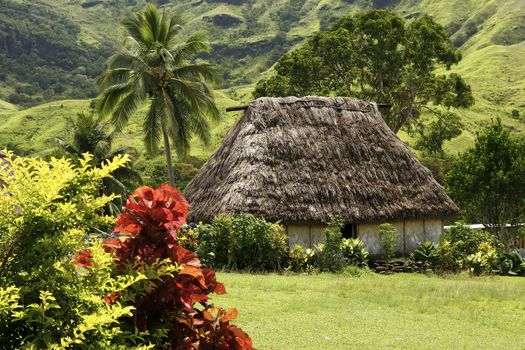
{"x":308,"y":159}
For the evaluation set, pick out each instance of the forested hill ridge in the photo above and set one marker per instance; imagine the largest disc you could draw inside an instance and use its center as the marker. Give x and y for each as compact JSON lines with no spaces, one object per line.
{"x":53,"y":49}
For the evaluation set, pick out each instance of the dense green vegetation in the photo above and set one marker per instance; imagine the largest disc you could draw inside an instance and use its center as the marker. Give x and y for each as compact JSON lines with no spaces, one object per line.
{"x":42,"y":55}
{"x":94,"y":136}
{"x":67,"y":284}
{"x":490,"y":33}
{"x":401,"y":311}
{"x":487,"y":181}
{"x":248,"y":243}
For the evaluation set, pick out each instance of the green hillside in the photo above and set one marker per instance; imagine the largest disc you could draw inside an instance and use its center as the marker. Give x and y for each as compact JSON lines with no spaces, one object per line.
{"x":30,"y":131}
{"x":7,"y":107}
{"x":248,"y":36}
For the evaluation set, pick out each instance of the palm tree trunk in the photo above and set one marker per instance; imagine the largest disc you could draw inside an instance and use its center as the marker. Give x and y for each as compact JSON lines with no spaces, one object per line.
{"x":169,"y":162}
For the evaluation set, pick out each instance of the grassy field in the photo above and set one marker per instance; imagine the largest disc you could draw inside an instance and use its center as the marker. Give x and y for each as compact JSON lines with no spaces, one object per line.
{"x":378,"y":312}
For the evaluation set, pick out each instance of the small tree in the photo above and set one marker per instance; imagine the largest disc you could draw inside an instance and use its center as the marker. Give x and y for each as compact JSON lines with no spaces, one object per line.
{"x":388,"y":236}
{"x":488,"y":182}
{"x":329,"y":254}
{"x":93,"y":135}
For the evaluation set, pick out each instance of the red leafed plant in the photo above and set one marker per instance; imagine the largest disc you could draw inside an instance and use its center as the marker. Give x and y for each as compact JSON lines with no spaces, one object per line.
{"x":149,"y":226}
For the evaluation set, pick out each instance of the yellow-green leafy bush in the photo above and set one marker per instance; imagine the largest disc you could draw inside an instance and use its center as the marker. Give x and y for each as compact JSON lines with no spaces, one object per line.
{"x":49,"y":210}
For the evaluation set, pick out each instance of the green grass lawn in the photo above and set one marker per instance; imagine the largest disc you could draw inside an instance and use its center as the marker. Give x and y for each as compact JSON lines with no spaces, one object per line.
{"x":378,"y":312}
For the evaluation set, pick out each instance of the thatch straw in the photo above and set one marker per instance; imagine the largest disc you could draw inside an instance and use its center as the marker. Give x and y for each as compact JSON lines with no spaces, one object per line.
{"x":308,"y":159}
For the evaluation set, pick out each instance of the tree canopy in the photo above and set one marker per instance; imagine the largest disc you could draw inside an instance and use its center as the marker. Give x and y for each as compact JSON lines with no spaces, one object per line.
{"x":488,"y":181}
{"x":378,"y":56}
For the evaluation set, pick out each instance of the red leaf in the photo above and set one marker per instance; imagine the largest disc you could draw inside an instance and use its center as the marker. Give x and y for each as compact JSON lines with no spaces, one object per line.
{"x":83,"y":258}
{"x":220,"y":289}
{"x":195,"y":273}
{"x":145,"y":195}
{"x":112,"y":298}
{"x":128,"y":224}
{"x":229,"y":315}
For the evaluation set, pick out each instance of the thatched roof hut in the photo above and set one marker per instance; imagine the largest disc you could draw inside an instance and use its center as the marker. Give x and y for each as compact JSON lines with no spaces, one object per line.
{"x":308,"y":159}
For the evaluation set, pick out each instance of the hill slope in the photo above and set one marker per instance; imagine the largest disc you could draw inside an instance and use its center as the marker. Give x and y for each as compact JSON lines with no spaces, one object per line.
{"x":30,"y":131}
{"x":248,"y":36}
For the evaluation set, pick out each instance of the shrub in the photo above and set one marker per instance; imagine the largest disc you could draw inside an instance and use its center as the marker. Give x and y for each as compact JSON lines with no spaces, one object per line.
{"x":188,"y":237}
{"x":513,"y":263}
{"x":300,"y":258}
{"x":329,"y":255}
{"x":215,"y":241}
{"x":484,"y":261}
{"x":60,"y":288}
{"x":468,"y":240}
{"x":48,"y":211}
{"x":176,"y":305}
{"x":426,"y":252}
{"x":388,"y":236}
{"x":257,"y":244}
{"x":243,"y":242}
{"x":354,"y":251}
{"x":460,"y":242}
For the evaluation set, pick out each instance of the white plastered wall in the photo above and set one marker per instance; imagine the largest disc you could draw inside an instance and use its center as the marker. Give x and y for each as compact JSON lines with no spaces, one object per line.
{"x":304,"y":234}
{"x":411,"y":233}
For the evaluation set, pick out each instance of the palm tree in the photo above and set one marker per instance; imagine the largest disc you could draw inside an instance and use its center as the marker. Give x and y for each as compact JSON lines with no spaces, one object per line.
{"x":157,"y":67}
{"x":90,"y":135}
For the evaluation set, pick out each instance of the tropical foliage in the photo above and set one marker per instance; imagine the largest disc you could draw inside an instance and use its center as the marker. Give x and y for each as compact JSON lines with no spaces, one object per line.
{"x":61,"y":288}
{"x":158,"y":67}
{"x":487,"y":181}
{"x":49,"y":211}
{"x":91,"y":135}
{"x":243,"y":242}
{"x":460,"y":245}
{"x":426,"y":252}
{"x":148,"y":231}
{"x":378,"y":56}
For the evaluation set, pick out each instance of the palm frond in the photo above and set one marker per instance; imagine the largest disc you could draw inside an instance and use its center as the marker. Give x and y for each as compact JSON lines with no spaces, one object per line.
{"x":199,"y":71}
{"x":125,"y":108}
{"x":111,"y":96}
{"x":208,"y":101}
{"x":130,"y":59}
{"x":152,"y":126}
{"x":135,"y":28}
{"x":114,"y":76}
{"x":178,"y":122}
{"x":201,"y":128}
{"x":151,"y":25}
{"x":176,"y":25}
{"x":198,"y":95}
{"x":196,"y":44}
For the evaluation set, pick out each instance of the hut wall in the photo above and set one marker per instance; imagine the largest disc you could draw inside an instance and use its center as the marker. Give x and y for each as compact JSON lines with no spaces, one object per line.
{"x":307,"y":235}
{"x":411,"y":233}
